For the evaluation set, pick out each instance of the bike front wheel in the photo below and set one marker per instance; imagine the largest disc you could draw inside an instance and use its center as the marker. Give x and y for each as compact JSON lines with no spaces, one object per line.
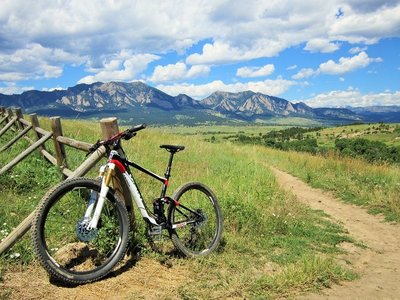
{"x":196,"y":220}
{"x":64,"y":244}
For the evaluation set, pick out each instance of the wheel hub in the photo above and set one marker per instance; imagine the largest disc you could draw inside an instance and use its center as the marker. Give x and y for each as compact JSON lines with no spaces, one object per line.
{"x":84,"y":233}
{"x":201,"y":218}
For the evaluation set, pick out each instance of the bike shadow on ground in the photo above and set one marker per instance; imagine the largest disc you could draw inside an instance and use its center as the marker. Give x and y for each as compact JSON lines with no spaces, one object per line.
{"x":130,"y":259}
{"x":164,"y":253}
{"x":135,"y":252}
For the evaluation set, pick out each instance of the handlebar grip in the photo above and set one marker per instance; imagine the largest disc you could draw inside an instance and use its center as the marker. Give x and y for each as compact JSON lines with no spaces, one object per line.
{"x":137,"y":128}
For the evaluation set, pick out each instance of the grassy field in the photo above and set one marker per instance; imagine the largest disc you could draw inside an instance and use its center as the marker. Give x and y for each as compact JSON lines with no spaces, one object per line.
{"x":386,"y":133}
{"x":374,"y":186}
{"x":273,"y":246}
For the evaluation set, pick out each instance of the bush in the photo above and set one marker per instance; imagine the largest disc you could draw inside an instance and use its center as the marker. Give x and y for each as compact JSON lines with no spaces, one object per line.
{"x":372,"y":151}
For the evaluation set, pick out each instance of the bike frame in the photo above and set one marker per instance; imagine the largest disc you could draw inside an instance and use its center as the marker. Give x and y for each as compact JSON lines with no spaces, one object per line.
{"x":107,"y":171}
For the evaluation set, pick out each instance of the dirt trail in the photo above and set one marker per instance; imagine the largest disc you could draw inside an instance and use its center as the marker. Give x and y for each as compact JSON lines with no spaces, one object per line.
{"x":378,"y":265}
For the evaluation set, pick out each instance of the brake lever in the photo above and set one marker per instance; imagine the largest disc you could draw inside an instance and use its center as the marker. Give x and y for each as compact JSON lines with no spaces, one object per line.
{"x":127,"y":136}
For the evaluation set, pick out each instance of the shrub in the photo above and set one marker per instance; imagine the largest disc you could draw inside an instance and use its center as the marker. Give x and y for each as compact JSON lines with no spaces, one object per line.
{"x":372,"y":151}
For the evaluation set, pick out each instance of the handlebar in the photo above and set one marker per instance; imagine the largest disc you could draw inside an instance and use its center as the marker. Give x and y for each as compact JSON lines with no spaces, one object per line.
{"x":137,"y":128}
{"x":114,"y":140}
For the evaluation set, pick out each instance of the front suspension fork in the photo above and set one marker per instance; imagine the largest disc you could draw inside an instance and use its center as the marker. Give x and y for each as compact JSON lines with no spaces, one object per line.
{"x":105,"y":187}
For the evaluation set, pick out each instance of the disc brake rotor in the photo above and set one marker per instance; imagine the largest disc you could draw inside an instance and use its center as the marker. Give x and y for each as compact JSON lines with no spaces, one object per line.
{"x":85,"y":234}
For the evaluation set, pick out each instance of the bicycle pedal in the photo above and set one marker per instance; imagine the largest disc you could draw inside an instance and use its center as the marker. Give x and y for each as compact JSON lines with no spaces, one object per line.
{"x":155,"y":230}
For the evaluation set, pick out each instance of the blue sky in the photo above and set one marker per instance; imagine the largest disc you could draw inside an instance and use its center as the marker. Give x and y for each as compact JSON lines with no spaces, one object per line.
{"x":324,"y":53}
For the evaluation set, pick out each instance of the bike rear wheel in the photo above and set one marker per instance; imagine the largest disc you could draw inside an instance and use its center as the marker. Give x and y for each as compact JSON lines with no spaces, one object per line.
{"x":196,"y":220}
{"x":62,"y":242}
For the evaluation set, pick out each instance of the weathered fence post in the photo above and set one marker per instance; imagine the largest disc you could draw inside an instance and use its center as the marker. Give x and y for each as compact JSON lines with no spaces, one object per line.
{"x":58,"y":147}
{"x":35,"y":124}
{"x":9,"y":112}
{"x":10,"y":116}
{"x":19,"y":116}
{"x":109,"y":127}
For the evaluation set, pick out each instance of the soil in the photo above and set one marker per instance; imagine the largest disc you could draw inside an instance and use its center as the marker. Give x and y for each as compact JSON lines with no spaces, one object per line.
{"x":146,"y":279}
{"x":378,"y":264}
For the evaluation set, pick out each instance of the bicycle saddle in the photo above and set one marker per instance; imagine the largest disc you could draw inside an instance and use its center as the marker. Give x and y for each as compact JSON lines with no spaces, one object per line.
{"x":172,"y":148}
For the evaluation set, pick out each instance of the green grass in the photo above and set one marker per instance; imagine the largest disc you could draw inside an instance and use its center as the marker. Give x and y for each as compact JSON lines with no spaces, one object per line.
{"x":386,"y":133}
{"x":375,"y":187}
{"x":272,"y":245}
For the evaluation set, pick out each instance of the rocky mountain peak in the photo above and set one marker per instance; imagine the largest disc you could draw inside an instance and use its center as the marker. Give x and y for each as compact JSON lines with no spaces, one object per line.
{"x":137,"y":95}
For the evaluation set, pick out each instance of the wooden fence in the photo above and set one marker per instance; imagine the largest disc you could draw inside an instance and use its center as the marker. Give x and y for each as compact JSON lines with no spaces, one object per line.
{"x":14,"y":122}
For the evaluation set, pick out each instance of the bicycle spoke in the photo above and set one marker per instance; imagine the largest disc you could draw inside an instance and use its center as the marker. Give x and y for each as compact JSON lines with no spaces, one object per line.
{"x":196,"y":221}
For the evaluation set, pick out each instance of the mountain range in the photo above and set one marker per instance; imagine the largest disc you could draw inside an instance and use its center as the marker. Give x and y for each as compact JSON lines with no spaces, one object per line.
{"x":141,"y":100}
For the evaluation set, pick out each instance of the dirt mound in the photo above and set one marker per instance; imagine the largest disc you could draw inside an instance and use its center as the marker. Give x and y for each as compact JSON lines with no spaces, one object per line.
{"x":147,"y":279}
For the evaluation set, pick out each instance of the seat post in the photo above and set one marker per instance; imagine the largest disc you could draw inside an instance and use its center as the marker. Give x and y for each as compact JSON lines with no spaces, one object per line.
{"x":168,"y":171}
{"x":167,"y":174}
{"x":171,"y":149}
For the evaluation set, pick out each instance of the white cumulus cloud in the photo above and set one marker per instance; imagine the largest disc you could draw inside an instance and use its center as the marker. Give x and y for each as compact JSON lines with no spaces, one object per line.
{"x":376,"y":20}
{"x":270,"y":87}
{"x":321,"y":45}
{"x":356,"y":50}
{"x":122,"y":67}
{"x":347,"y":64}
{"x":223,"y":52}
{"x":12,"y":88}
{"x":304,"y":73}
{"x":178,"y":71}
{"x":34,"y":61}
{"x":255,"y":71}
{"x":353,"y":97}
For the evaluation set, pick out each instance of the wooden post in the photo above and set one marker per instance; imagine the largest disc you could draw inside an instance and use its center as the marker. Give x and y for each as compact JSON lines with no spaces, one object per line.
{"x":35,"y":124}
{"x":109,"y":128}
{"x":18,"y":113}
{"x":9,"y":114}
{"x":59,"y":147}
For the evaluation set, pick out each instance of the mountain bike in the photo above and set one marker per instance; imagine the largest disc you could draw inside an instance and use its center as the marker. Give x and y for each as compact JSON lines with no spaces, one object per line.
{"x":81,"y":228}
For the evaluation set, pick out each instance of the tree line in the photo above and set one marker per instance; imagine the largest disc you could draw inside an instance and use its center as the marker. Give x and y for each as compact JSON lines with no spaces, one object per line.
{"x":295,"y":139}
